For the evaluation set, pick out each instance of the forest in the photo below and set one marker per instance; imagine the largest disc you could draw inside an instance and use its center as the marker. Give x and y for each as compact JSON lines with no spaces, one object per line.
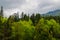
{"x":26,"y":27}
{"x":34,"y":27}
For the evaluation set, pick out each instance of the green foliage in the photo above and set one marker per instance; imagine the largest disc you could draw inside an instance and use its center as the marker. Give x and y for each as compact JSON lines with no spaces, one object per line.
{"x":47,"y":29}
{"x":23,"y":29}
{"x":30,"y":28}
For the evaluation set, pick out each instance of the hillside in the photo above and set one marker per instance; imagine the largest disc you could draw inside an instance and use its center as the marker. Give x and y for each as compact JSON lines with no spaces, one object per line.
{"x":53,"y":13}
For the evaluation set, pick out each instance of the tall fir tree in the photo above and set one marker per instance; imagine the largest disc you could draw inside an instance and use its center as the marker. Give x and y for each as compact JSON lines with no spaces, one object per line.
{"x":1,"y":12}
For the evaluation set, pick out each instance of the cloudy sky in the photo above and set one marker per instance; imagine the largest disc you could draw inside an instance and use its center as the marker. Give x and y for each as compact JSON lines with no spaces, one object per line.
{"x":29,"y":6}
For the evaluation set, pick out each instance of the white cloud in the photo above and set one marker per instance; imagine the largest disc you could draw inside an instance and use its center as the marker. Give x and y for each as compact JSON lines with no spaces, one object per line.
{"x":56,"y":1}
{"x":29,"y":6}
{"x":10,"y":12}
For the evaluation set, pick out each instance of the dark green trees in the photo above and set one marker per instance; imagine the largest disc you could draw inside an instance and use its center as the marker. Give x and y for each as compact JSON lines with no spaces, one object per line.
{"x":24,"y":17}
{"x":35,"y":18}
{"x":5,"y":30}
{"x":1,"y":11}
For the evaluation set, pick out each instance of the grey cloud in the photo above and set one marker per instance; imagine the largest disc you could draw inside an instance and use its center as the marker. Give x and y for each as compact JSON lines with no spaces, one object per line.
{"x":30,"y":6}
{"x":11,"y":3}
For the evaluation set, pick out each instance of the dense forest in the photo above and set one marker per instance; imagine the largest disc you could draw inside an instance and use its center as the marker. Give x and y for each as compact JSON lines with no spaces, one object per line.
{"x":34,"y":27}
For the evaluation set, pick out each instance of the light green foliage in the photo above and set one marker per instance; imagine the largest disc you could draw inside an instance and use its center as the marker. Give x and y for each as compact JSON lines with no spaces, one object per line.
{"x":53,"y":38}
{"x":2,"y":22}
{"x":23,"y":29}
{"x":47,"y":29}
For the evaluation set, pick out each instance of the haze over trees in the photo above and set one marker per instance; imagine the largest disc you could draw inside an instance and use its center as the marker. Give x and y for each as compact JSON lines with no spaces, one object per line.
{"x":34,"y":27}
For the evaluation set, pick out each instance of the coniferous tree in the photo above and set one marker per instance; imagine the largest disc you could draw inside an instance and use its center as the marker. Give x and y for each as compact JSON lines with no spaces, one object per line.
{"x":22,"y":16}
{"x":37,"y":18}
{"x":33,"y":18}
{"x":1,"y":12}
{"x":26,"y":17}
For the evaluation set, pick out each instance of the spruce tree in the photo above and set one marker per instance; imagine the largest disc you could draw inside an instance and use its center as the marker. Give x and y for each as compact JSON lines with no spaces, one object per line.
{"x":1,"y":12}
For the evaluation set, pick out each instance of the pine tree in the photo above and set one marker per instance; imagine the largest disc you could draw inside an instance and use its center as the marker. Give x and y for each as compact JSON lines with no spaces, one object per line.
{"x":22,"y":15}
{"x":1,"y":12}
{"x":33,"y":18}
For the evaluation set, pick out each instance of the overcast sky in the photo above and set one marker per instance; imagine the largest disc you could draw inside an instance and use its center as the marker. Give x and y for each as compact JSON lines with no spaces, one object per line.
{"x":29,"y":6}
